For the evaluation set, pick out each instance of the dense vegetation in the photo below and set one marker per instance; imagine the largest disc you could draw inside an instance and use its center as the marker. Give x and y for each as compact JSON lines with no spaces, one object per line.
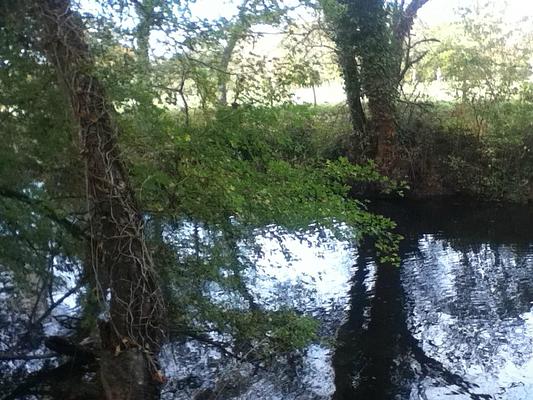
{"x":205,"y":152}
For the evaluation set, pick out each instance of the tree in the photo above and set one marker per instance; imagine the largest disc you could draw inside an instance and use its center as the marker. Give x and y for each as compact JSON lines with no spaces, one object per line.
{"x":251,"y":12}
{"x":119,"y":263}
{"x":372,"y":44}
{"x":481,"y":57}
{"x":245,"y":172}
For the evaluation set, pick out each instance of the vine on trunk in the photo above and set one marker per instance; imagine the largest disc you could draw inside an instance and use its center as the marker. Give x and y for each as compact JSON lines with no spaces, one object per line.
{"x":119,"y":262}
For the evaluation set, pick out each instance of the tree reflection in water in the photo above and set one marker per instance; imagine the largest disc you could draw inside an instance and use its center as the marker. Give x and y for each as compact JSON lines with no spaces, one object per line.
{"x":454,"y":320}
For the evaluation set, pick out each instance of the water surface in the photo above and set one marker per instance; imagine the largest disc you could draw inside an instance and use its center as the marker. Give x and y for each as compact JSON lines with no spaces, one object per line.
{"x":455,"y":320}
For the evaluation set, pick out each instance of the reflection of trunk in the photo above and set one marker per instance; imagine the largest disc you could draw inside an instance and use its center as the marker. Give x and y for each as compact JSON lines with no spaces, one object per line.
{"x":376,"y":352}
{"x":120,"y":264}
{"x":349,"y":351}
{"x":370,"y":346}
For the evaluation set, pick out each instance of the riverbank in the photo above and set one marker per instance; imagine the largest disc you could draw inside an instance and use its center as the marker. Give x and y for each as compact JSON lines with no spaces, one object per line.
{"x":452,"y":148}
{"x":481,"y":151}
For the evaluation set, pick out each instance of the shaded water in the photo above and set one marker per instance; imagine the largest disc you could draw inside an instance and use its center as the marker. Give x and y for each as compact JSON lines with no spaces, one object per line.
{"x":455,"y":321}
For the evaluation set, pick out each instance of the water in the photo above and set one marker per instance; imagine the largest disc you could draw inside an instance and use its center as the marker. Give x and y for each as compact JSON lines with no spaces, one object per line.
{"x":455,"y":321}
{"x":314,"y":281}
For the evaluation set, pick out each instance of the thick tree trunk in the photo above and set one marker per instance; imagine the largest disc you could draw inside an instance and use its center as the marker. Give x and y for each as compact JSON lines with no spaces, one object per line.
{"x":384,"y":126}
{"x":120,"y":265}
{"x":368,"y":34}
{"x":358,"y":144}
{"x":379,"y":58}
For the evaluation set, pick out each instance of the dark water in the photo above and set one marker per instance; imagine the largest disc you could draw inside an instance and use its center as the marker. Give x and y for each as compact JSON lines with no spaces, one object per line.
{"x":455,"y":321}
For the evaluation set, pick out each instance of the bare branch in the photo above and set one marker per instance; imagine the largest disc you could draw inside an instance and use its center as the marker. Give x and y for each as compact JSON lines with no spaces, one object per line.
{"x":26,"y":357}
{"x":407,"y":19}
{"x":57,"y":303}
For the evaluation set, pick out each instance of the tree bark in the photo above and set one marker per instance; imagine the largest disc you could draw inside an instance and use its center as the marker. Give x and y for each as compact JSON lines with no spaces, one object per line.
{"x":358,"y":143}
{"x":384,"y":126}
{"x":120,"y":264}
{"x":352,"y":83}
{"x":379,"y":57}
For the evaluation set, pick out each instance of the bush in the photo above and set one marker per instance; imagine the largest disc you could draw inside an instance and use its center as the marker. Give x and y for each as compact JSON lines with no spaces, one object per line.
{"x":447,"y":152}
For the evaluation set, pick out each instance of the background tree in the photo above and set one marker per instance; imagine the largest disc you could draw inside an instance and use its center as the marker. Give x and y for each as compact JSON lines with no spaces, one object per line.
{"x":482,"y":61}
{"x":371,"y":38}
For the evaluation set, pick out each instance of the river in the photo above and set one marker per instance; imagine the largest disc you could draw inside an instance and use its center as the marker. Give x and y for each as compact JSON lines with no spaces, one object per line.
{"x":455,"y":320}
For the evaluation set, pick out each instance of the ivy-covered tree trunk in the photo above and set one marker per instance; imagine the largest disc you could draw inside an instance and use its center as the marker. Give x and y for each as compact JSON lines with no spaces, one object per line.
{"x":358,"y":144}
{"x":370,"y":36}
{"x":145,"y":12}
{"x":378,"y":75}
{"x":120,"y":265}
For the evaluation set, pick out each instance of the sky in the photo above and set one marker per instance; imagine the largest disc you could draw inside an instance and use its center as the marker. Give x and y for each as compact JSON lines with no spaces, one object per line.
{"x":434,"y":12}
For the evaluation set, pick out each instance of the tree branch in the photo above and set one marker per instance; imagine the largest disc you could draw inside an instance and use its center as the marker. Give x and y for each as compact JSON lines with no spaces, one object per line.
{"x":57,"y":303}
{"x":407,"y":18}
{"x":45,"y":210}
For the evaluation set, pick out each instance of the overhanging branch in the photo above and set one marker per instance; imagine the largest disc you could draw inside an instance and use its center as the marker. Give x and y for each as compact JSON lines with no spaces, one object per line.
{"x":44,"y":210}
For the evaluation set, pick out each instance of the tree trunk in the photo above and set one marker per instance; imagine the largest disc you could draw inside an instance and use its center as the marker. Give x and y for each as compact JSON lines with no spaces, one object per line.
{"x":371,"y":41}
{"x":358,"y":143}
{"x":227,"y":54}
{"x":145,"y":12}
{"x":352,"y":86}
{"x":384,"y":126}
{"x":379,"y":58}
{"x":120,"y":265}
{"x":236,"y":33}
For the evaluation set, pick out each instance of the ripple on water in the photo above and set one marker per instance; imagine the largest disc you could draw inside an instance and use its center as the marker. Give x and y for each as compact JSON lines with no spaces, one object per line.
{"x":470,"y":309}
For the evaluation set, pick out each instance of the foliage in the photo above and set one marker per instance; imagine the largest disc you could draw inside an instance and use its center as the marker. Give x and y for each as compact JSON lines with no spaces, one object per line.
{"x":482,"y":57}
{"x":40,"y":181}
{"x":446,"y":154}
{"x":239,"y":174}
